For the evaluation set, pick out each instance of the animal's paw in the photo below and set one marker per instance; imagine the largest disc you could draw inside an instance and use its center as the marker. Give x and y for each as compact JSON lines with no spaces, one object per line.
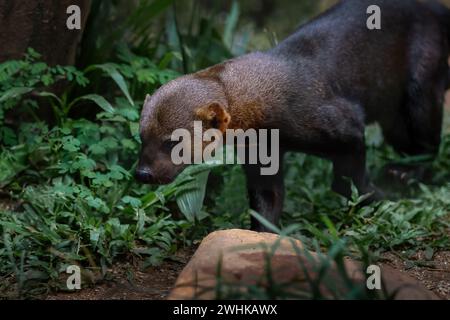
{"x":405,"y":175}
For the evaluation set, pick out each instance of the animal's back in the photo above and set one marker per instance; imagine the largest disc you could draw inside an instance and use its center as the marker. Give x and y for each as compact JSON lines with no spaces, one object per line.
{"x":372,"y":67}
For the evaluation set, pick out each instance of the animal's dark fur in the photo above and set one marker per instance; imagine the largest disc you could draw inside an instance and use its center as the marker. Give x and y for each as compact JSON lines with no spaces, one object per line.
{"x":320,"y":87}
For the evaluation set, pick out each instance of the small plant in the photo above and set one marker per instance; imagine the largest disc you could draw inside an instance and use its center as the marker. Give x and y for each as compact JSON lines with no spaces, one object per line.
{"x":72,"y":181}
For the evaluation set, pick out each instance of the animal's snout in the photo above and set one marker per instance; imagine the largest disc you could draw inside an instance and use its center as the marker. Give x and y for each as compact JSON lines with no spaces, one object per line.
{"x":144,"y":175}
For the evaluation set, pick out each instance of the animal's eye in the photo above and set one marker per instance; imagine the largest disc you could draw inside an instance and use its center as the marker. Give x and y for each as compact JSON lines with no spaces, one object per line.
{"x":168,"y":145}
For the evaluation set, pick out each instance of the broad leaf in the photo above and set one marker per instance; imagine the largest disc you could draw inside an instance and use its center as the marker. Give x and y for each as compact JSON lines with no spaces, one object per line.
{"x":99,"y":100}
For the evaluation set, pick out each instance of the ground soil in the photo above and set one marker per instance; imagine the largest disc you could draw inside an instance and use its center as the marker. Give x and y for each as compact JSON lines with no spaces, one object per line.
{"x":434,"y":273}
{"x":129,"y":281}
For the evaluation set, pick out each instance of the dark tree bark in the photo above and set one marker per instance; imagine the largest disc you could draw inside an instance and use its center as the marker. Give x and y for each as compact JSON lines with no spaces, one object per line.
{"x":41,"y":25}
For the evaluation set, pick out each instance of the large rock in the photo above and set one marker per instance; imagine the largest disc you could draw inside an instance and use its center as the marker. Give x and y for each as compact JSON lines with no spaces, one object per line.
{"x":242,"y":258}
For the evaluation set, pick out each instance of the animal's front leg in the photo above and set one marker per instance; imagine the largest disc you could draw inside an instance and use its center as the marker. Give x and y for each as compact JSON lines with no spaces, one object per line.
{"x":266,"y":195}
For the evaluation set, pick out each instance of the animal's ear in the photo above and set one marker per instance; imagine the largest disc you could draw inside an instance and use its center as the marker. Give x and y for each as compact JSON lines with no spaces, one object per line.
{"x":215,"y":116}
{"x":147,"y":98}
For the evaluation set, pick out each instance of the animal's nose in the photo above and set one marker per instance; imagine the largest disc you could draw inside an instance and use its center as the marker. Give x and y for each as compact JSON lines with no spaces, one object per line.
{"x":144,"y":176}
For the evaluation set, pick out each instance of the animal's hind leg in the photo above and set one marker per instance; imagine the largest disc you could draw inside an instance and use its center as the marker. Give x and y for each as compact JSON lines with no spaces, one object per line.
{"x":423,"y":109}
{"x":417,"y":130}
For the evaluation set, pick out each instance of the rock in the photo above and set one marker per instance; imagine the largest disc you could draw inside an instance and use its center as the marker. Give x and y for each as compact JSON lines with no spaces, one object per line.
{"x":241,"y":258}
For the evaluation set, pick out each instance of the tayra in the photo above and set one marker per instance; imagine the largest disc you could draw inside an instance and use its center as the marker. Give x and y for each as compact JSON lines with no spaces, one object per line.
{"x":319,"y":87}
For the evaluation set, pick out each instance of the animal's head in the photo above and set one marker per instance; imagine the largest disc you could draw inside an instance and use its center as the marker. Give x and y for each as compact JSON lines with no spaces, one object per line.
{"x":176,"y":105}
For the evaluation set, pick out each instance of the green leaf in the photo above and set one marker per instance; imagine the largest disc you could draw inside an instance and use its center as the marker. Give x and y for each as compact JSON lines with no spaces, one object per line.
{"x":230,"y":24}
{"x":191,"y":200}
{"x":109,"y":142}
{"x":94,"y":235}
{"x":14,"y":93}
{"x":50,"y":95}
{"x":134,"y":130}
{"x":167,"y":58}
{"x":97,"y":149}
{"x":134,"y":202}
{"x":7,"y":136}
{"x":33,"y":54}
{"x":99,"y":100}
{"x":112,"y":71}
{"x":11,"y":164}
{"x":128,"y":144}
{"x":70,"y":144}
{"x":265,"y":222}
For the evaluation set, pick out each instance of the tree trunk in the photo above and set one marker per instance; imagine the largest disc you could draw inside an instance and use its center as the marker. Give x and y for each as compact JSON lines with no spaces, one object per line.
{"x":41,"y":25}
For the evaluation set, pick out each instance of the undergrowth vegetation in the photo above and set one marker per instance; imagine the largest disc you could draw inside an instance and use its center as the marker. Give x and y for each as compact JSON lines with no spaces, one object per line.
{"x":69,"y":143}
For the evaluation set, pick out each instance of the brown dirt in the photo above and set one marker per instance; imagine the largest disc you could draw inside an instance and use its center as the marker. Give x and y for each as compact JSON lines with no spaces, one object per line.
{"x":433,"y":273}
{"x":129,"y":282}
